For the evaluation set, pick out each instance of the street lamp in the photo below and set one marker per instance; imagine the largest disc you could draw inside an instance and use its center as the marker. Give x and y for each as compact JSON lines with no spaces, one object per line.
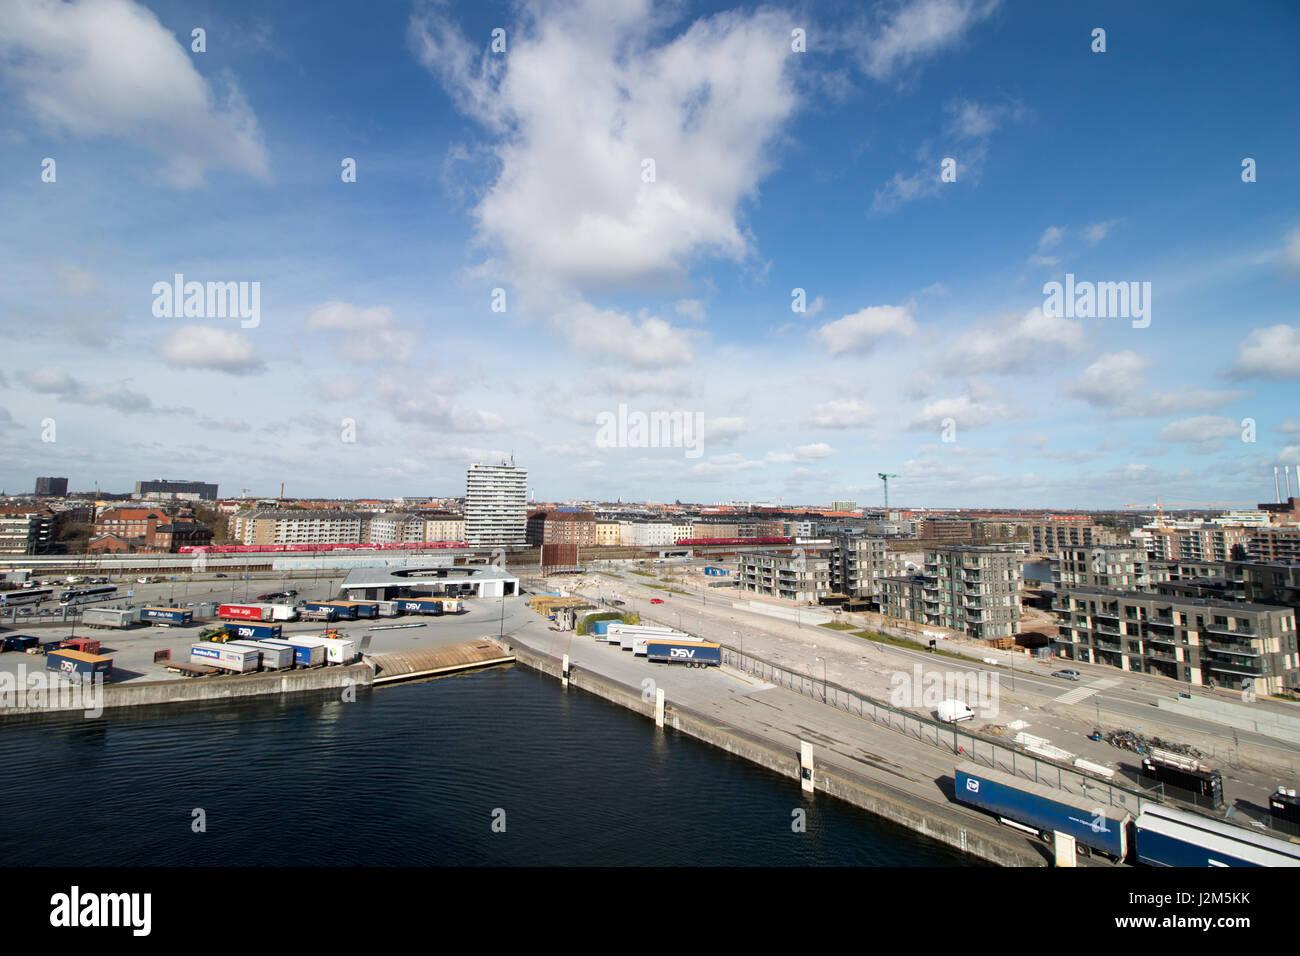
{"x":823,"y":660}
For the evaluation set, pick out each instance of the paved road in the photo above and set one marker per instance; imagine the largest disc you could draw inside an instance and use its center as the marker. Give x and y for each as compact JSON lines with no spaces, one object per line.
{"x":1029,"y":694}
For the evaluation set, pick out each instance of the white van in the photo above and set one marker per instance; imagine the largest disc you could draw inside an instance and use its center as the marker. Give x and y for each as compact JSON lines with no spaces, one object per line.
{"x":953,"y":711}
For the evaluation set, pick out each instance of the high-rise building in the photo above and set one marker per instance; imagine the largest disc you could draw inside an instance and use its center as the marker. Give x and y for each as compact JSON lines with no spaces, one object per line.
{"x":54,"y":487}
{"x":496,"y":504}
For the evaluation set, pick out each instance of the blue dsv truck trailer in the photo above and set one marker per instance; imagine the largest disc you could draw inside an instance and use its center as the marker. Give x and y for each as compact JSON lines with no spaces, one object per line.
{"x":1091,"y":821}
{"x":692,"y":653}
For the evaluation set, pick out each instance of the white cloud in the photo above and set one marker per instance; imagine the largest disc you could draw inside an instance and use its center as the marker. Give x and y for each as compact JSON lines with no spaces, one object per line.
{"x":1051,"y":236}
{"x":859,"y":332}
{"x":801,"y":453}
{"x":1202,"y":428}
{"x":918,"y":29}
{"x":108,"y":68}
{"x":346,"y":317}
{"x":965,"y":411}
{"x":1013,"y":345}
{"x":1271,"y":353}
{"x":1098,"y":231}
{"x":55,"y":380}
{"x":692,"y":309}
{"x":647,"y":341}
{"x":434,"y":411}
{"x":587,"y":92}
{"x":1289,"y":257}
{"x":1115,"y":382}
{"x":842,"y":413}
{"x":206,"y":347}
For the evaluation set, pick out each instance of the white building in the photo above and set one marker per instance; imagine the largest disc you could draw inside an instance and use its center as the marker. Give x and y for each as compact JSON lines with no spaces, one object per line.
{"x":496,"y":504}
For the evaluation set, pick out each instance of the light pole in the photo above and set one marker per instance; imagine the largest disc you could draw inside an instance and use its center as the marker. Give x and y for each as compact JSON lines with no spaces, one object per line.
{"x":823,"y":660}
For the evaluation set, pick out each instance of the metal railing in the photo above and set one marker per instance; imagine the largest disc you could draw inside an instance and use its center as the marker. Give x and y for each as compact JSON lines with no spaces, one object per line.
{"x":963,"y":745}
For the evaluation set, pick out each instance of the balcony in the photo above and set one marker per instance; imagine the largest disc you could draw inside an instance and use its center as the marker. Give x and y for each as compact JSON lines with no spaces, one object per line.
{"x":1223,"y":629}
{"x":1160,"y":639}
{"x":1105,"y":643}
{"x":1240,"y":650}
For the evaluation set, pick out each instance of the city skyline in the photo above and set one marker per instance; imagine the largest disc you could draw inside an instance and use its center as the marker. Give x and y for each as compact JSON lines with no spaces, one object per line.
{"x":361,"y":355}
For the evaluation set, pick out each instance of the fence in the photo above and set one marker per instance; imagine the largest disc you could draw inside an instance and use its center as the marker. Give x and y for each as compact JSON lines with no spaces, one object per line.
{"x":991,"y":753}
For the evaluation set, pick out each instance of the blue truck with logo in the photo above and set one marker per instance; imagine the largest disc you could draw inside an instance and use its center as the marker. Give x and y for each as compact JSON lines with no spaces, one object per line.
{"x":1092,"y":821}
{"x":251,"y":630}
{"x":170,"y":616}
{"x":691,"y":653}
{"x":418,"y":606}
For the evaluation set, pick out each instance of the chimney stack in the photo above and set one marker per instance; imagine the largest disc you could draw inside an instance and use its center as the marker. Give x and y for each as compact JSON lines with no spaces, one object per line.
{"x":1277,"y":488}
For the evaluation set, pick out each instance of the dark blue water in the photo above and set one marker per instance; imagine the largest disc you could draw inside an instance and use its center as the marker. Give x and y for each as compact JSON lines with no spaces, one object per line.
{"x":412,"y":775}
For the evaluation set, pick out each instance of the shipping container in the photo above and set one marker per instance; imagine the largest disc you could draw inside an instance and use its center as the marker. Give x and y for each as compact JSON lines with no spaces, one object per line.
{"x":75,"y":665}
{"x":339,"y":650}
{"x":419,"y":605}
{"x":240,"y":660}
{"x":387,"y":608}
{"x":691,"y":653}
{"x":110,"y":617}
{"x":205,"y":609}
{"x":306,"y":653}
{"x":363,"y":609}
{"x":87,"y":645}
{"x":252,"y":630}
{"x":18,"y":642}
{"x":244,"y":612}
{"x":167,"y":615}
{"x":1092,"y":822}
{"x":347,"y":611}
{"x":275,"y":657}
{"x":1169,"y":837}
{"x":600,"y":628}
{"x":327,"y":614}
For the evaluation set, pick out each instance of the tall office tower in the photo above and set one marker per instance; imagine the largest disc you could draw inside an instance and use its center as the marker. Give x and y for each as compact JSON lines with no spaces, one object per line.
{"x":56,"y":487}
{"x":496,"y":504}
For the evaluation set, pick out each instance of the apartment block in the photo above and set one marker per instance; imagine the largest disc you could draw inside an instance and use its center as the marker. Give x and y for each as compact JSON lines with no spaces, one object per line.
{"x":27,"y":529}
{"x":496,"y":504}
{"x":1273,"y":544}
{"x":973,"y":589}
{"x":1204,"y":642}
{"x":298,"y":526}
{"x":1049,"y":537}
{"x":443,"y":527}
{"x":903,"y":596}
{"x":792,"y":577}
{"x":1208,"y":542}
{"x":394,"y":527}
{"x":562,"y":527}
{"x":608,"y":533}
{"x":858,"y":563}
{"x":1107,"y":566}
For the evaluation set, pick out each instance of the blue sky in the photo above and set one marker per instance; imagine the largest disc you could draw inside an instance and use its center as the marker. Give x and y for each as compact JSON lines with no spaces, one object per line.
{"x":773,"y":170}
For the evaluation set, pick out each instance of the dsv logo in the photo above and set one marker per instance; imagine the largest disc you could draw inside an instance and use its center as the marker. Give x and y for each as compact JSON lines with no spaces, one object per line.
{"x":681,"y":652}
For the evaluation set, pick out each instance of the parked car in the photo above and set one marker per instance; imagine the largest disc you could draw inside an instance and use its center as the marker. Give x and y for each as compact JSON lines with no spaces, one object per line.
{"x":656,"y":600}
{"x":1066,"y":674}
{"x":619,"y":603}
{"x":222,"y":575}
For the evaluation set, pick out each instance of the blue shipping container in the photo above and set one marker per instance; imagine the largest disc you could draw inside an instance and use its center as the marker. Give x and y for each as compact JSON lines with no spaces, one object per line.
{"x":251,"y":629}
{"x":167,"y":615}
{"x":1092,"y":823}
{"x":683,"y":652}
{"x":600,"y":627}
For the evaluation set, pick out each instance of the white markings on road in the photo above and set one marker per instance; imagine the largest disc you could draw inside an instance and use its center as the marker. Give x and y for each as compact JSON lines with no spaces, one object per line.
{"x":1083,"y":693}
